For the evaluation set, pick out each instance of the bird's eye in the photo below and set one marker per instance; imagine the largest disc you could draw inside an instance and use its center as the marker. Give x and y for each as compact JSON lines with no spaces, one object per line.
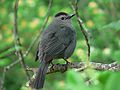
{"x":62,"y":18}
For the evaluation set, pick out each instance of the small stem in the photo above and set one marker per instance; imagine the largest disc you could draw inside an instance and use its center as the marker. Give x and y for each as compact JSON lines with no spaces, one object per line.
{"x":83,"y":29}
{"x":17,"y":41}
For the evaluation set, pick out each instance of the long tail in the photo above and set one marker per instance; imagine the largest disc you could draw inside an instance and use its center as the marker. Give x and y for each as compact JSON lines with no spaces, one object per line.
{"x":40,"y":77}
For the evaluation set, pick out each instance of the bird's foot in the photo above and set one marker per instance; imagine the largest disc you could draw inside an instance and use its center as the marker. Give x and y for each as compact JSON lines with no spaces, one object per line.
{"x":66,"y":66}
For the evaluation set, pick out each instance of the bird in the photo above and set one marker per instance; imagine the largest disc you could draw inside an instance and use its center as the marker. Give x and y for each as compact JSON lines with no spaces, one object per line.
{"x":57,"y":41}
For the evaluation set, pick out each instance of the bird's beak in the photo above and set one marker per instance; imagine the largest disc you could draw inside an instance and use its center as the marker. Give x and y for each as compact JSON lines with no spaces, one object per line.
{"x":70,"y":16}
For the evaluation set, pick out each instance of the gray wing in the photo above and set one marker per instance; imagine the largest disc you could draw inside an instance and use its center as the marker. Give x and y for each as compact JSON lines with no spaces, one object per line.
{"x":54,"y":44}
{"x":70,"y":49}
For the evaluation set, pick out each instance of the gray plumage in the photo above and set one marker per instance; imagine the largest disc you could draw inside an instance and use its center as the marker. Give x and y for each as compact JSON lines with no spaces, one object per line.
{"x":57,"y":41}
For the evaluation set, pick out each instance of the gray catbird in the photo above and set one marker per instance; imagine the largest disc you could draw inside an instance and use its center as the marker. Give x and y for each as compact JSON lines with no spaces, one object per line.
{"x":57,"y":41}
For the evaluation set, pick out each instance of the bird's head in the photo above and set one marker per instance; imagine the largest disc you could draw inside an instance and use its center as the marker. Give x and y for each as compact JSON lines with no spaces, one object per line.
{"x":63,"y":18}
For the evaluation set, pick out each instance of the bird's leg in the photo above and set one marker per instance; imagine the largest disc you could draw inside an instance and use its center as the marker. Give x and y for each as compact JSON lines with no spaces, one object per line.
{"x":66,"y":61}
{"x":52,"y":65}
{"x":66,"y":65}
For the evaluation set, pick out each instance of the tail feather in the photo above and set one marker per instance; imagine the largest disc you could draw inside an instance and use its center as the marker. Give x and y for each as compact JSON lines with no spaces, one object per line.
{"x":40,"y":77}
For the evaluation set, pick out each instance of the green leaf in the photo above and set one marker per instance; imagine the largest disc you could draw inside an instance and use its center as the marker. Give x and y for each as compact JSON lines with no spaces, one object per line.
{"x":116,"y":56}
{"x":75,"y":81}
{"x":112,"y":26}
{"x":113,"y":82}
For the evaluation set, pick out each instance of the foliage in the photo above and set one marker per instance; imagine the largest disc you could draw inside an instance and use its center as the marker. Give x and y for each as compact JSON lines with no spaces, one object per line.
{"x":101,"y":17}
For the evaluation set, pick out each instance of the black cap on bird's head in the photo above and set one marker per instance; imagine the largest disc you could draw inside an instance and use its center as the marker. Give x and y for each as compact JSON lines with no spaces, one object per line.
{"x":65,"y":14}
{"x":61,"y":13}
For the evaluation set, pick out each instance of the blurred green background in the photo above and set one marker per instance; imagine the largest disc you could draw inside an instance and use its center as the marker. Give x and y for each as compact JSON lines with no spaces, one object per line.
{"x":101,"y":17}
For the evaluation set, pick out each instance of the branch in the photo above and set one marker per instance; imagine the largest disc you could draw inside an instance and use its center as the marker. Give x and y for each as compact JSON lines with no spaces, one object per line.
{"x":35,"y":39}
{"x":42,"y":28}
{"x":80,"y":66}
{"x":7,"y":55}
{"x":2,"y":80}
{"x":82,"y":26}
{"x":2,"y":50}
{"x":17,"y":40}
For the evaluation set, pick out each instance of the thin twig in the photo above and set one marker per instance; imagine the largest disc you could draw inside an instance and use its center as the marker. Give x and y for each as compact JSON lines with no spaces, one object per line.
{"x":7,"y":55}
{"x":83,"y":29}
{"x":17,"y":40}
{"x":35,"y":39}
{"x":2,"y":50}
{"x":42,"y":28}
{"x":3,"y":79}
